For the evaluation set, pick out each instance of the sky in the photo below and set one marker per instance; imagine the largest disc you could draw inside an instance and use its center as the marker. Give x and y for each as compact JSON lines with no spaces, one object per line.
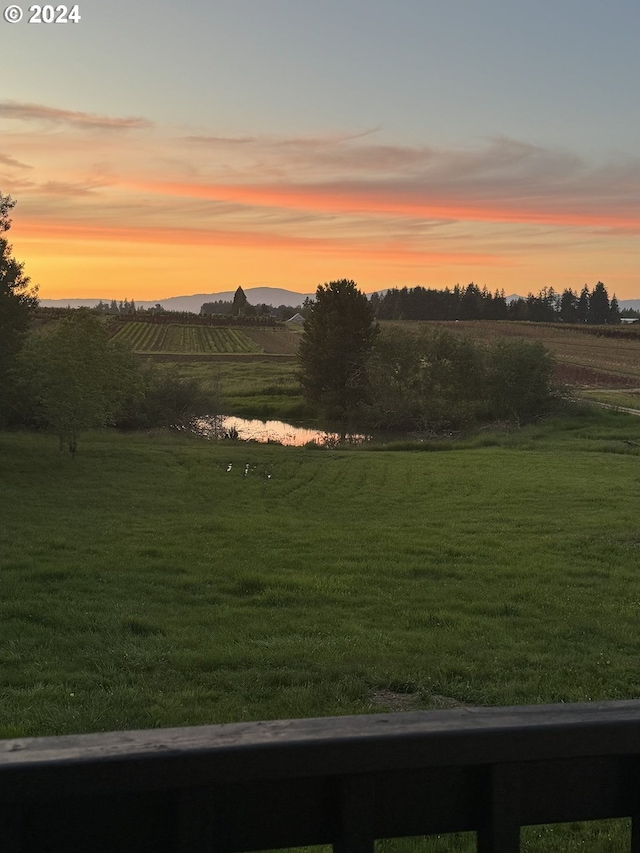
{"x":159,"y":149}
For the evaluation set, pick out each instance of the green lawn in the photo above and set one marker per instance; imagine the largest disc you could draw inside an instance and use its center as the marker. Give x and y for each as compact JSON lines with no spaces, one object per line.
{"x":145,"y":584}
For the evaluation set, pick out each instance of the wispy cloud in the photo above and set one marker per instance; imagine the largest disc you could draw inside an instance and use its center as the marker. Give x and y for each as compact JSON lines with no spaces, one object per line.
{"x":388,"y":250}
{"x":338,"y":194}
{"x":41,"y":113}
{"x":6,"y":160}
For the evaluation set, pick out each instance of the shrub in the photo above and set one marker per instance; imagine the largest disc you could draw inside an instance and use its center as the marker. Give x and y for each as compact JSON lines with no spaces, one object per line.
{"x":168,"y":400}
{"x":435,"y":380}
{"x":519,"y":379}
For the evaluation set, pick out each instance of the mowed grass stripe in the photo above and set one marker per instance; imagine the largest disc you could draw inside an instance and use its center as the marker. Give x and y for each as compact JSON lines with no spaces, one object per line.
{"x":183,"y":593}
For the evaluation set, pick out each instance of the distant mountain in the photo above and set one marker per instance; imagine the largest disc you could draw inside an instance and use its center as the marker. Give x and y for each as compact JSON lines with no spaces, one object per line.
{"x":256,"y":295}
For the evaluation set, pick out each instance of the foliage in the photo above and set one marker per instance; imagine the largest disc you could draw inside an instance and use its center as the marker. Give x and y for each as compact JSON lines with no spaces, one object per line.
{"x":429,"y":380}
{"x":434,"y":380}
{"x":168,"y":399}
{"x":76,"y":378}
{"x":473,"y":303}
{"x":240,"y":302}
{"x":599,"y":309}
{"x":17,"y":299}
{"x":519,"y":379}
{"x":337,"y":338}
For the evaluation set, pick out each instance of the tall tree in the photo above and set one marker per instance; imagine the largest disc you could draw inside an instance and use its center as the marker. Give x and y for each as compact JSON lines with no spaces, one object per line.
{"x":17,"y":300}
{"x":614,"y":310}
{"x":599,"y":304}
{"x":78,"y":378}
{"x":337,"y":338}
{"x":582,"y":308}
{"x":240,"y":302}
{"x":568,"y":306}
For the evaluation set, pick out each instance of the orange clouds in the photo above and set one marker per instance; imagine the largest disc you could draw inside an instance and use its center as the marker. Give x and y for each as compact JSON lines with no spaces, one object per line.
{"x":379,"y":199}
{"x":194,"y":213}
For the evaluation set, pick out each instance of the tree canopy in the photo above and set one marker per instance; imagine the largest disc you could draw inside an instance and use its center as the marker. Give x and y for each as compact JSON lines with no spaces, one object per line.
{"x":433,"y":379}
{"x":77,"y":379}
{"x":337,"y":338}
{"x":474,"y":303}
{"x":17,"y":299}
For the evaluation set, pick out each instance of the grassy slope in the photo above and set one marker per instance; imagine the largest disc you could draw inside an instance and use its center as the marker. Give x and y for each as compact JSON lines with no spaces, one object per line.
{"x":181,"y":593}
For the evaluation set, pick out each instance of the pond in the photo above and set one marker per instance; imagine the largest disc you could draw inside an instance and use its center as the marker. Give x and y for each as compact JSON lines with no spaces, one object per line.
{"x":229,"y":426}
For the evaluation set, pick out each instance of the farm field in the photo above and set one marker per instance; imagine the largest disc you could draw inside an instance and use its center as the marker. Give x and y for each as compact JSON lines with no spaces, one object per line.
{"x":152,"y":339}
{"x":600,"y":360}
{"x":212,"y":582}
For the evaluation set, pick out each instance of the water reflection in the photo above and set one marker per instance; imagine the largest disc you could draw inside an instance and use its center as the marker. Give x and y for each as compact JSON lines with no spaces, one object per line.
{"x":229,"y":426}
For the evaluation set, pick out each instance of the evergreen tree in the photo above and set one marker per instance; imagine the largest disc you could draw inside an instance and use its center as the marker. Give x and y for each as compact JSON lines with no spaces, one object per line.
{"x":614,"y":310}
{"x":240,"y":302}
{"x":336,"y":341}
{"x":569,"y":306}
{"x":582,"y":310}
{"x":599,"y":304}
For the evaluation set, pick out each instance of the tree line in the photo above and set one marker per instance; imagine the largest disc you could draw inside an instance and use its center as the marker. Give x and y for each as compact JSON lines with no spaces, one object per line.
{"x":475,"y":303}
{"x":359,"y":374}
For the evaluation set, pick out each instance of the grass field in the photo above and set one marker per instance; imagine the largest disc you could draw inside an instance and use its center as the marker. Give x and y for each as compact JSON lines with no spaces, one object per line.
{"x":492,"y":575}
{"x":624,"y":399}
{"x":262,"y":388}
{"x":203,"y":582}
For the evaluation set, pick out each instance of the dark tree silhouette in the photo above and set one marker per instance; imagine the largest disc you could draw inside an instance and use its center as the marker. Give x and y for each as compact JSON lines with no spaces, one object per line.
{"x":337,"y":338}
{"x":17,"y":299}
{"x":240,"y":301}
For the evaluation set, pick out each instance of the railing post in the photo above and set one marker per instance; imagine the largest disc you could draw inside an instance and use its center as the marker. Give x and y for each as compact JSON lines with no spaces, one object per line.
{"x":635,"y":817}
{"x":10,"y":828}
{"x":195,"y":825}
{"x":356,"y":827}
{"x":500,"y":831}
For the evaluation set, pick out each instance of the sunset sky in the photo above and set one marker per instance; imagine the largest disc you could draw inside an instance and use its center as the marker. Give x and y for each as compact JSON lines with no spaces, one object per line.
{"x":160,"y":149}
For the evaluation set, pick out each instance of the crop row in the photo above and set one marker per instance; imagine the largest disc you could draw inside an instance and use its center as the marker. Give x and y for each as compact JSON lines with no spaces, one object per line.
{"x":145,"y":337}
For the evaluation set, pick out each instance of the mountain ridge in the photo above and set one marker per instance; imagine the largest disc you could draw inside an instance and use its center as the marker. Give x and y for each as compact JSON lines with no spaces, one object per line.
{"x":274,"y":296}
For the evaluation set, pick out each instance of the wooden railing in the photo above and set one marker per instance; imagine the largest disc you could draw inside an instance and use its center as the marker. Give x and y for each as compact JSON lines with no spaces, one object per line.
{"x":344,"y":781}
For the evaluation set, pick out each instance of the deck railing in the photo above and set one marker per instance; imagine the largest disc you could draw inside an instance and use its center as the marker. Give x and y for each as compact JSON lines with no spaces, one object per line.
{"x":344,"y":781}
